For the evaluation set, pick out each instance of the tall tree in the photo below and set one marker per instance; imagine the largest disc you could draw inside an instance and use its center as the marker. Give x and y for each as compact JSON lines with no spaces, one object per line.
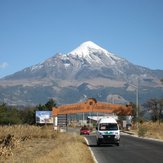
{"x":50,"y":104}
{"x":160,"y":105}
{"x":134,"y":111}
{"x":28,"y":115}
{"x":161,"y":80}
{"x":9,"y":115}
{"x":155,"y":106}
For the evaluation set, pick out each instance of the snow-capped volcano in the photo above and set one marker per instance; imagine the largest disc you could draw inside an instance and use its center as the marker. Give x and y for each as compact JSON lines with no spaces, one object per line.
{"x":85,"y":48}
{"x":93,"y":53}
{"x":88,"y":61}
{"x":89,"y":69}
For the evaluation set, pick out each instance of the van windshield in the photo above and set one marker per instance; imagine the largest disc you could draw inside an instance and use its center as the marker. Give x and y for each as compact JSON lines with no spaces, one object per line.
{"x":108,"y":126}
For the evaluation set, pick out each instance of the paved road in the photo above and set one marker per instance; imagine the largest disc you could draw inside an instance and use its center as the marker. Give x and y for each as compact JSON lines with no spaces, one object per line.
{"x":131,"y":150}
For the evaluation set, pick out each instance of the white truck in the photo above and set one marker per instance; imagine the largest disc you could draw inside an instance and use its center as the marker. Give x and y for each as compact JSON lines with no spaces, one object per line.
{"x":107,"y":131}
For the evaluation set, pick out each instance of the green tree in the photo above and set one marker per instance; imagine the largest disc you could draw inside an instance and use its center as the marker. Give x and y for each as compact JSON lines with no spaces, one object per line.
{"x":13,"y":116}
{"x":9,"y":115}
{"x":50,"y":104}
{"x":41,"y":107}
{"x":28,"y":116}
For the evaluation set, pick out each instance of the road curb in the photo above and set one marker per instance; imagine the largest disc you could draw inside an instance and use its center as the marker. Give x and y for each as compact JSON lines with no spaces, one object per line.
{"x":132,"y":134}
{"x":93,"y":156}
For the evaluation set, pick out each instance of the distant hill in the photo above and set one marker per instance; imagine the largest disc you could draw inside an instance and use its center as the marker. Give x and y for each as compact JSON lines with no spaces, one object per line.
{"x":87,"y":71}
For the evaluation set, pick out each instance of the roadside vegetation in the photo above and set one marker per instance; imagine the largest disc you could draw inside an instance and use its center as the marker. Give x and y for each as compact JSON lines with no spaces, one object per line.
{"x":148,"y":129}
{"x":153,"y":126}
{"x":26,"y":143}
{"x":153,"y":130}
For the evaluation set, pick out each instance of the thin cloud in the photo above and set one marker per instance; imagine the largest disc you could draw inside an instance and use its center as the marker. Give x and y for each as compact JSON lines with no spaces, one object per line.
{"x":3,"y":65}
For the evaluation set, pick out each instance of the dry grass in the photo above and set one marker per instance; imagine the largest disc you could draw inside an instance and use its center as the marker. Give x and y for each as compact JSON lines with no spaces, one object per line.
{"x":68,"y":149}
{"x":152,"y":130}
{"x":41,"y":145}
{"x":22,"y":131}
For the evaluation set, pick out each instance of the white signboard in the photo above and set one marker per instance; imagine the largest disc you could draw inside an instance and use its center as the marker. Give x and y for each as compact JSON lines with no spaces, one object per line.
{"x":44,"y":117}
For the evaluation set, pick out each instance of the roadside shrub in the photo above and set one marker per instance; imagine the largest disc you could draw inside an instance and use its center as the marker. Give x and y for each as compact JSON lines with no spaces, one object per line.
{"x":142,"y":131}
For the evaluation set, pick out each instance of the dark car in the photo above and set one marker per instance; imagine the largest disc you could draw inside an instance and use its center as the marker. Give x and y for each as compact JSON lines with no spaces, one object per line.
{"x":84,"y":131}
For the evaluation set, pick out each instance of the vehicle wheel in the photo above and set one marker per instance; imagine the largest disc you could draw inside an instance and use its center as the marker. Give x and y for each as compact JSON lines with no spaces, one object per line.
{"x":117,"y":144}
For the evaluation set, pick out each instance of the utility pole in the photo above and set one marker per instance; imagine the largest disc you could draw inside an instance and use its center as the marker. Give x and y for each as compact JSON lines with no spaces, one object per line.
{"x":137,"y":102}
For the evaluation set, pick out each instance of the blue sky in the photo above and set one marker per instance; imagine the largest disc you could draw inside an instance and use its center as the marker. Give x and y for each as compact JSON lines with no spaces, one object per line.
{"x":33,"y":30}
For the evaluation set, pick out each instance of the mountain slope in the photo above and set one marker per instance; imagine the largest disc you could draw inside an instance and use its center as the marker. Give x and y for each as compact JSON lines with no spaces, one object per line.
{"x":87,"y":59}
{"x":63,"y":74}
{"x":87,"y":56}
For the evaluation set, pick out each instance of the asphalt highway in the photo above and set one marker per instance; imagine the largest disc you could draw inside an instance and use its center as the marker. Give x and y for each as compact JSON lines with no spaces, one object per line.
{"x":131,"y":150}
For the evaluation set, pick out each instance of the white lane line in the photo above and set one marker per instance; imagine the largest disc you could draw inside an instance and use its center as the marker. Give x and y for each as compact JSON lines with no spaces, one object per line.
{"x":94,"y":158}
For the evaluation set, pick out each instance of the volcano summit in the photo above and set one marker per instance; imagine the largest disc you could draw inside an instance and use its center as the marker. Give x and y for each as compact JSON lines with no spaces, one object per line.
{"x":89,"y":70}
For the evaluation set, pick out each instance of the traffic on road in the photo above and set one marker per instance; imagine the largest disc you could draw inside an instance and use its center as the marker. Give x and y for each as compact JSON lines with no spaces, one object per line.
{"x":131,"y":150}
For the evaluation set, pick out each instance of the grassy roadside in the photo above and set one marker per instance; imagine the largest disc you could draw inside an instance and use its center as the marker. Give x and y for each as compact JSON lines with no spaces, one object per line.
{"x":153,"y":130}
{"x":40,"y":145}
{"x":69,"y":148}
{"x":149,"y":129}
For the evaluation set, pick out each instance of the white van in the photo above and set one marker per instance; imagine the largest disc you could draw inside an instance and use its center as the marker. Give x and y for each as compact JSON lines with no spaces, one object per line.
{"x":107,"y":131}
